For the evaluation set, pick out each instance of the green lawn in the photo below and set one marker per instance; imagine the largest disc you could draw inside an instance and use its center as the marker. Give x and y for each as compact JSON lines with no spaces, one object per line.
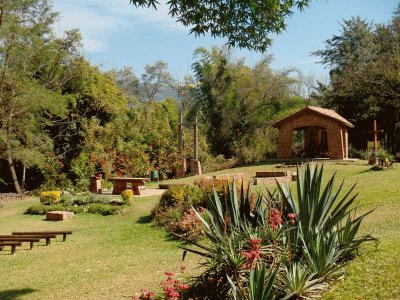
{"x":111,"y":257}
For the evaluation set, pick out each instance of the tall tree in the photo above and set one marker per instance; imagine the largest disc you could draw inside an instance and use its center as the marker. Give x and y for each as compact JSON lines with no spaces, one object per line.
{"x":246,"y":24}
{"x":127,"y":80}
{"x":154,"y":78}
{"x":33,"y":66}
{"x":364,"y":77}
{"x":238,"y":103}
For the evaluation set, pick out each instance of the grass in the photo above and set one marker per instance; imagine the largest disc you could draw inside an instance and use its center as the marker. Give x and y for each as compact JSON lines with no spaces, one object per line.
{"x":105,"y":257}
{"x":111,"y":257}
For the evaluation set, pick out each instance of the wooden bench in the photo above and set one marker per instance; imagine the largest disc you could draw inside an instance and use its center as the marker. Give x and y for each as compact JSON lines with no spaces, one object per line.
{"x":44,"y":234}
{"x":12,"y":244}
{"x":121,"y":184}
{"x":13,"y":238}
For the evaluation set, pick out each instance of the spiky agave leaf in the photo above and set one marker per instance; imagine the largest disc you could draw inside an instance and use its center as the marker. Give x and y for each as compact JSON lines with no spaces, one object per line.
{"x":298,"y":281}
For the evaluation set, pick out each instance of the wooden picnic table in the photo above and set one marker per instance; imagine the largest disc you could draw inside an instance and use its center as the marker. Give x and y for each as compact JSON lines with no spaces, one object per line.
{"x":121,"y":184}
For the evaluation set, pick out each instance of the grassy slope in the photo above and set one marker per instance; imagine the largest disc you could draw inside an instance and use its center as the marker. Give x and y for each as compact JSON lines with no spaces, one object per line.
{"x":110,"y":257}
{"x":105,"y":257}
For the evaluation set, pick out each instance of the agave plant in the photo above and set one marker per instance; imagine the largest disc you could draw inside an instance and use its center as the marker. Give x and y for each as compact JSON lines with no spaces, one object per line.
{"x":229,"y":225}
{"x":261,"y":285}
{"x":234,"y":212}
{"x":297,"y":281}
{"x":326,"y":224}
{"x":322,"y":253}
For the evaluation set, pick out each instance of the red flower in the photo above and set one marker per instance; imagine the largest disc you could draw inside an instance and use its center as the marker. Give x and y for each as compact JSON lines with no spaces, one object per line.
{"x":292,"y":218}
{"x":183,"y":287}
{"x":275,"y":218}
{"x":170,"y":274}
{"x":146,"y":294}
{"x":255,"y":243}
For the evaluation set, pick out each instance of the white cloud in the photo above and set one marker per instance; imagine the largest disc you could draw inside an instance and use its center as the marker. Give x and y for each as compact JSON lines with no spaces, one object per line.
{"x":98,"y":20}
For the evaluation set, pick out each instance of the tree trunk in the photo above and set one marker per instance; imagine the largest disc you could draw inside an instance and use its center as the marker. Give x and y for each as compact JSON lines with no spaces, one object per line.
{"x":14,"y":175}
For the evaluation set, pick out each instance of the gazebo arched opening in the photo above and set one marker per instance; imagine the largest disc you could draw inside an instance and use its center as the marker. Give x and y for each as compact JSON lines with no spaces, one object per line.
{"x":310,"y":142}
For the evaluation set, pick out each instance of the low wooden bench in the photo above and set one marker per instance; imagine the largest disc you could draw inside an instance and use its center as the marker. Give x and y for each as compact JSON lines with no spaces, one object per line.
{"x":46,"y":237}
{"x":12,"y":244}
{"x":122,"y":183}
{"x":64,"y":233}
{"x":13,"y":238}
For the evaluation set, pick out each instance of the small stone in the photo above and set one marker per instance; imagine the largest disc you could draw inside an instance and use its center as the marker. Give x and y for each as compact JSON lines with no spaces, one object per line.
{"x":59,"y":215}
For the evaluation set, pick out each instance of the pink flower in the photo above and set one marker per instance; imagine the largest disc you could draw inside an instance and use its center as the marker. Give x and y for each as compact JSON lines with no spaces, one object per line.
{"x":292,"y":218}
{"x":275,"y":218}
{"x":183,"y":287}
{"x":170,"y":274}
{"x":255,"y":243}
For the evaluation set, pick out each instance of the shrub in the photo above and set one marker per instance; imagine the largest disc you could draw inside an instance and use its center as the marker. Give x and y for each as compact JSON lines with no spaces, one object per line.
{"x":354,"y":153}
{"x":50,"y":197}
{"x":127,"y":196}
{"x":41,"y":209}
{"x":103,"y":209}
{"x":187,"y":225}
{"x":220,"y":185}
{"x":173,"y":210}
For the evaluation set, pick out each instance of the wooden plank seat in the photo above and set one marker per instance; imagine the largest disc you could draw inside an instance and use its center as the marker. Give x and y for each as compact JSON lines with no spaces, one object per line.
{"x":64,"y":233}
{"x":12,"y":238}
{"x":46,"y":237}
{"x":12,"y":244}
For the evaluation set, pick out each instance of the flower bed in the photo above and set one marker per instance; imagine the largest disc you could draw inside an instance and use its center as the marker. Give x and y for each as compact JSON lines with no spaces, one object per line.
{"x":280,"y":246}
{"x":83,"y":203}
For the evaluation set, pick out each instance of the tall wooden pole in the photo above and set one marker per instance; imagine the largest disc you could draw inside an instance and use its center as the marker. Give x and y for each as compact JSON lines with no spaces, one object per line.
{"x":375,"y":137}
{"x":196,"y":141}
{"x":180,"y":133}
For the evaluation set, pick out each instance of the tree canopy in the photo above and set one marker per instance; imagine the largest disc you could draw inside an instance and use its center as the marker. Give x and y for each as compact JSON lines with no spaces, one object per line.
{"x":246,"y":24}
{"x":364,"y":77}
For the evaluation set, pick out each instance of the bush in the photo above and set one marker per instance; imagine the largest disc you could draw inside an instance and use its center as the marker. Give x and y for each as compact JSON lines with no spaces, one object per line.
{"x":360,"y":154}
{"x":188,"y":225}
{"x":41,"y":209}
{"x":220,"y":185}
{"x":103,"y":209}
{"x":174,"y":210}
{"x":127,"y":196}
{"x":182,"y":195}
{"x":50,"y":197}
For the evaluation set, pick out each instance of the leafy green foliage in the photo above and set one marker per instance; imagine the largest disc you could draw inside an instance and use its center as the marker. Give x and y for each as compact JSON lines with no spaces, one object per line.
{"x":237,"y":104}
{"x":103,"y":209}
{"x":174,"y":211}
{"x":245,"y":24}
{"x":34,"y":66}
{"x":41,"y":209}
{"x":364,"y":81}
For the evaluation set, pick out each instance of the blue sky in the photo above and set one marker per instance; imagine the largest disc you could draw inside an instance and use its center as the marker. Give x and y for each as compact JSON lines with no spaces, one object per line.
{"x":116,"y":34}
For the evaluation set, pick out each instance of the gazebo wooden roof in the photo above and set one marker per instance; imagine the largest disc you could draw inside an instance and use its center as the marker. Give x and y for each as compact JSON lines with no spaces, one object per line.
{"x":324,"y":112}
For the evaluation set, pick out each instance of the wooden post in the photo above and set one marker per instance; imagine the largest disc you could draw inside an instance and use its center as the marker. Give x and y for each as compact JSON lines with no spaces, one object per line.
{"x":375,"y":133}
{"x":375,"y":137}
{"x":180,"y":133}
{"x":196,"y":141}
